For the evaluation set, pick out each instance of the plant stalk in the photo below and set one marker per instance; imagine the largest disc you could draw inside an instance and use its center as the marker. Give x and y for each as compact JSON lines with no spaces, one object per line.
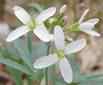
{"x":46,"y":70}
{"x":29,"y":41}
{"x":29,"y":45}
{"x":46,"y":76}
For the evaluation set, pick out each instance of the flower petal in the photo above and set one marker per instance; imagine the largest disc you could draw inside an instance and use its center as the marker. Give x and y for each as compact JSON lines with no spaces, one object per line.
{"x":91,"y":32}
{"x":86,"y":26}
{"x":59,"y":37}
{"x":45,"y":61}
{"x":66,"y":70}
{"x":93,"y":21}
{"x":63,"y":9}
{"x":83,"y":15}
{"x":42,"y":33}
{"x":17,"y":33}
{"x":21,"y":14}
{"x":46,"y":14}
{"x":75,"y":46}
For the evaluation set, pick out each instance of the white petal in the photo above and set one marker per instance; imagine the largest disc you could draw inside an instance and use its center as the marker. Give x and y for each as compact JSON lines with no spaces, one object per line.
{"x":83,"y":15}
{"x":59,"y":37}
{"x":42,"y":33}
{"x":46,"y":14}
{"x":87,"y":26}
{"x":45,"y":61}
{"x":93,"y":21}
{"x":63,"y":8}
{"x":75,"y":46}
{"x":66,"y":70}
{"x":21,"y":14}
{"x":91,"y":32}
{"x":17,"y":33}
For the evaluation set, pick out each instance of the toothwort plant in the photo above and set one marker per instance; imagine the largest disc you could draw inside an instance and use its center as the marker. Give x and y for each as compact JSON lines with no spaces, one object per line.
{"x":61,"y":49}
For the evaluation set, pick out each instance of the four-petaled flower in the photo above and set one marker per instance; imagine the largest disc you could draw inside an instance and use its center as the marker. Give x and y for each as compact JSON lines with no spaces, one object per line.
{"x":61,"y":50}
{"x":88,"y":25}
{"x":31,"y":24}
{"x":59,"y":55}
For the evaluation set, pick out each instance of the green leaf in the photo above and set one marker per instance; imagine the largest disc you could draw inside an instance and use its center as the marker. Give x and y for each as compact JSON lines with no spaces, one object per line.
{"x":16,"y":75}
{"x":39,"y":49}
{"x":36,"y":7}
{"x":12,"y":52}
{"x":23,"y":51}
{"x":92,"y":78}
{"x":15,"y":65}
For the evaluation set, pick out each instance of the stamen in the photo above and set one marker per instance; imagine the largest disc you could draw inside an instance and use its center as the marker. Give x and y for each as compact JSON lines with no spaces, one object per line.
{"x":60,"y":54}
{"x":31,"y":24}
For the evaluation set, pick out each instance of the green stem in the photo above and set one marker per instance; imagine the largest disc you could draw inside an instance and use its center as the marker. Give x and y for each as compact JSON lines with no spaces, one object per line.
{"x":29,"y":45}
{"x":46,"y":70}
{"x":29,"y":41}
{"x":46,"y":76}
{"x":29,"y":81}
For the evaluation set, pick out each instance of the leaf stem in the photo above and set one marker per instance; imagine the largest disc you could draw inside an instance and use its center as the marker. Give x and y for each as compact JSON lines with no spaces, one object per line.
{"x":46,"y":76}
{"x":29,"y":81}
{"x":29,"y":45}
{"x":29,"y":41}
{"x":46,"y":70}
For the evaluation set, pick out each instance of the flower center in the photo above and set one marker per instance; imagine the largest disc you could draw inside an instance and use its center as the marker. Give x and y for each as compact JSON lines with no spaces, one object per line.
{"x":31,"y":24}
{"x":57,"y":20}
{"x":60,"y":54}
{"x":74,"y":27}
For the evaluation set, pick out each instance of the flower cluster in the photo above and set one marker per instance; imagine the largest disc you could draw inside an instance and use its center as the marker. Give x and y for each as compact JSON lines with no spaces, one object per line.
{"x":60,"y":54}
{"x":62,"y":49}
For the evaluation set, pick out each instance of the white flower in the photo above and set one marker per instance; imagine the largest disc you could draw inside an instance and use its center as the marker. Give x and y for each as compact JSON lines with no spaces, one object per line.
{"x":88,"y":25}
{"x":31,"y":24}
{"x":59,"y":55}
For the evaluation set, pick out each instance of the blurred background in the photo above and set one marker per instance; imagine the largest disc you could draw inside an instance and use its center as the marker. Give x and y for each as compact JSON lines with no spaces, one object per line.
{"x":90,"y":59}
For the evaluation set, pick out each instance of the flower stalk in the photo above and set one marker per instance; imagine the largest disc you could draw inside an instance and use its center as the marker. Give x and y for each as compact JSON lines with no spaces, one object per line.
{"x":46,"y":76}
{"x":29,"y":42}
